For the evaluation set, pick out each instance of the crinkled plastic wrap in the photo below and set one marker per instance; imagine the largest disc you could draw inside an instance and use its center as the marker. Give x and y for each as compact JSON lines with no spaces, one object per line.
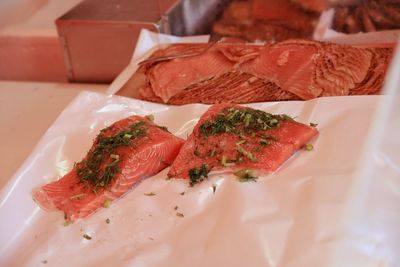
{"x":324,"y":32}
{"x":301,"y":215}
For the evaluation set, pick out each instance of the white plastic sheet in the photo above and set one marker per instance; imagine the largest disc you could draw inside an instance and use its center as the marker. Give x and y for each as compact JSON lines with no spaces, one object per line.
{"x":292,"y":217}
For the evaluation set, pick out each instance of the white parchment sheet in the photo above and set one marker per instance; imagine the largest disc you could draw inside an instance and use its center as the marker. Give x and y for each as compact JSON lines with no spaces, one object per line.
{"x":293,"y":217}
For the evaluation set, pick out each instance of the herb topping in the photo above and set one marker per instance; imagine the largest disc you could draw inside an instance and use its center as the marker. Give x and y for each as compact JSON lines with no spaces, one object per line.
{"x":241,"y":120}
{"x":88,"y":237}
{"x":101,"y":164}
{"x":197,"y":175}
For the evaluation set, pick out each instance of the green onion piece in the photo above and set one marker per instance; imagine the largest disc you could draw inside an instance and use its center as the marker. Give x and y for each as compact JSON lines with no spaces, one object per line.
{"x":150,"y":117}
{"x":308,"y":147}
{"x":114,"y":156}
{"x":240,"y":142}
{"x":248,"y":154}
{"x":212,"y":152}
{"x":264,"y":142}
{"x":107,"y":204}
{"x":223,"y":160}
{"x":273,"y":122}
{"x":225,"y":163}
{"x":127,"y":136}
{"x":247,"y":119}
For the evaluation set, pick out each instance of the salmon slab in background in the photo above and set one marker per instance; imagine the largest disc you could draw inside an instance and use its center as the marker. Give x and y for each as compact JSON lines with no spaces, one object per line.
{"x":121,"y":156}
{"x":244,"y":73}
{"x":242,"y":140}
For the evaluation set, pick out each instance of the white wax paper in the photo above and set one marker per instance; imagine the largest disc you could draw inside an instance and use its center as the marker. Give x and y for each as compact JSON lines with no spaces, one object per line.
{"x":292,"y":217}
{"x":324,"y":32}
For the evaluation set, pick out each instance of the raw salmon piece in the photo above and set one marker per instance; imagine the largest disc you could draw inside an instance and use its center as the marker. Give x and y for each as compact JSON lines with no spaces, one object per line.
{"x":121,"y":156}
{"x":231,"y":138}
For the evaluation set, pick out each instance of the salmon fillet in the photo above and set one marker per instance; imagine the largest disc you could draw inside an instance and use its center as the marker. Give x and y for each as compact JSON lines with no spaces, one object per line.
{"x":233,"y":138}
{"x":121,"y":156}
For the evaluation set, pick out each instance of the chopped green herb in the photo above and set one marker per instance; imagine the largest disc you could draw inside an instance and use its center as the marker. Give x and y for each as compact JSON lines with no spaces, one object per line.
{"x":150,"y":194}
{"x":88,"y":237}
{"x":107,"y":220}
{"x":308,"y":147}
{"x":176,"y":208}
{"x":313,"y":124}
{"x":214,"y":188}
{"x":197,"y":175}
{"x":78,"y":196}
{"x":107,"y":204}
{"x":239,"y":121}
{"x":245,"y":175}
{"x":66,"y":223}
{"x":150,"y":117}
{"x":180,"y":214}
{"x":97,"y":169}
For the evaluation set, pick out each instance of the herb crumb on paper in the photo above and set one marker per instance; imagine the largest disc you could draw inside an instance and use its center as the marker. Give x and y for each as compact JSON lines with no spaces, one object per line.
{"x":88,"y":237}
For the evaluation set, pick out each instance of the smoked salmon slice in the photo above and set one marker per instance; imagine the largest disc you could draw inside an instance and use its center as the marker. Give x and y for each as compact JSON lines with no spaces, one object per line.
{"x":121,"y":156}
{"x":239,"y":139}
{"x":244,"y":73}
